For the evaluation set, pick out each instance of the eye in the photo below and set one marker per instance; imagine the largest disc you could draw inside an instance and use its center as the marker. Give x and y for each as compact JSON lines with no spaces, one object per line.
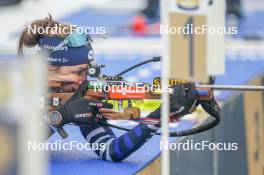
{"x":77,"y":72}
{"x":81,"y":72}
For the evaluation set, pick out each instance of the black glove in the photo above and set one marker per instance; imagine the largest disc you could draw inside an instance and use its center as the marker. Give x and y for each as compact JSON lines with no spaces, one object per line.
{"x":184,"y":99}
{"x":79,"y":110}
{"x":211,"y":106}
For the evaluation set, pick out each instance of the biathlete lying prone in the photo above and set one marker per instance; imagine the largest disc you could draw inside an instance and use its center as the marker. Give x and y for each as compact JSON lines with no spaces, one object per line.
{"x":68,"y":61}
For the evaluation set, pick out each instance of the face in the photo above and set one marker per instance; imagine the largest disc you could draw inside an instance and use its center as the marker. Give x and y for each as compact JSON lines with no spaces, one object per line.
{"x":70,"y":76}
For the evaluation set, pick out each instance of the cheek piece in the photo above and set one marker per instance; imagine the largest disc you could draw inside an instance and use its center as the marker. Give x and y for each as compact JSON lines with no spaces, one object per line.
{"x":75,"y":49}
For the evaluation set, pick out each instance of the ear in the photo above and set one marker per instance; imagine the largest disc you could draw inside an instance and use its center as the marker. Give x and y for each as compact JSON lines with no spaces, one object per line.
{"x":81,"y":91}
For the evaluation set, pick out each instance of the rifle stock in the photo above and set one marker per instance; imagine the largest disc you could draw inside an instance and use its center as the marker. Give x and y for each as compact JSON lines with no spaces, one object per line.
{"x":58,"y":98}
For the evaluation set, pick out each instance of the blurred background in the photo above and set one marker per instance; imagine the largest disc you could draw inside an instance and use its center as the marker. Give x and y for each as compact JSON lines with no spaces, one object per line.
{"x":132,"y":35}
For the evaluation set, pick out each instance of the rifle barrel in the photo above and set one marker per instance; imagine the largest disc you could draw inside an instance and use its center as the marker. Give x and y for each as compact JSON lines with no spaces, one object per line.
{"x":233,"y":87}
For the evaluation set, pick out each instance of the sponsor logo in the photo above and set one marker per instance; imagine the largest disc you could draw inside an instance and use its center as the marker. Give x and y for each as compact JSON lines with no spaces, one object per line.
{"x":60,"y":60}
{"x":53,"y":47}
{"x":84,"y":115}
{"x":171,"y":82}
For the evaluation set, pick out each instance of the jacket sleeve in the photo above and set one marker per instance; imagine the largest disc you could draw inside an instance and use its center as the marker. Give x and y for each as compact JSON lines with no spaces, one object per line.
{"x":117,"y":149}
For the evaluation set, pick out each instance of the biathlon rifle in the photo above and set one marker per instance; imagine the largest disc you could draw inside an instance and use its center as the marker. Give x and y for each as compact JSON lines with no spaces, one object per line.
{"x":115,"y":88}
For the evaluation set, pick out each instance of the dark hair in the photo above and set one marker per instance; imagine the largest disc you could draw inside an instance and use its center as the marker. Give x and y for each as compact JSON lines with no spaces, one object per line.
{"x":31,"y":39}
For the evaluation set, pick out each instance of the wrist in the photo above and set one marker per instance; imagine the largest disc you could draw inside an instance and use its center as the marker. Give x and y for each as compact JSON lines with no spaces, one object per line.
{"x":64,"y":114}
{"x":55,"y":120}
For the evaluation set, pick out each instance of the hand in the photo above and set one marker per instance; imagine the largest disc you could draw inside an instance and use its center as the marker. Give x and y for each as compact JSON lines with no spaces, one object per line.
{"x":184,"y":99}
{"x":182,"y":102}
{"x":79,"y":110}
